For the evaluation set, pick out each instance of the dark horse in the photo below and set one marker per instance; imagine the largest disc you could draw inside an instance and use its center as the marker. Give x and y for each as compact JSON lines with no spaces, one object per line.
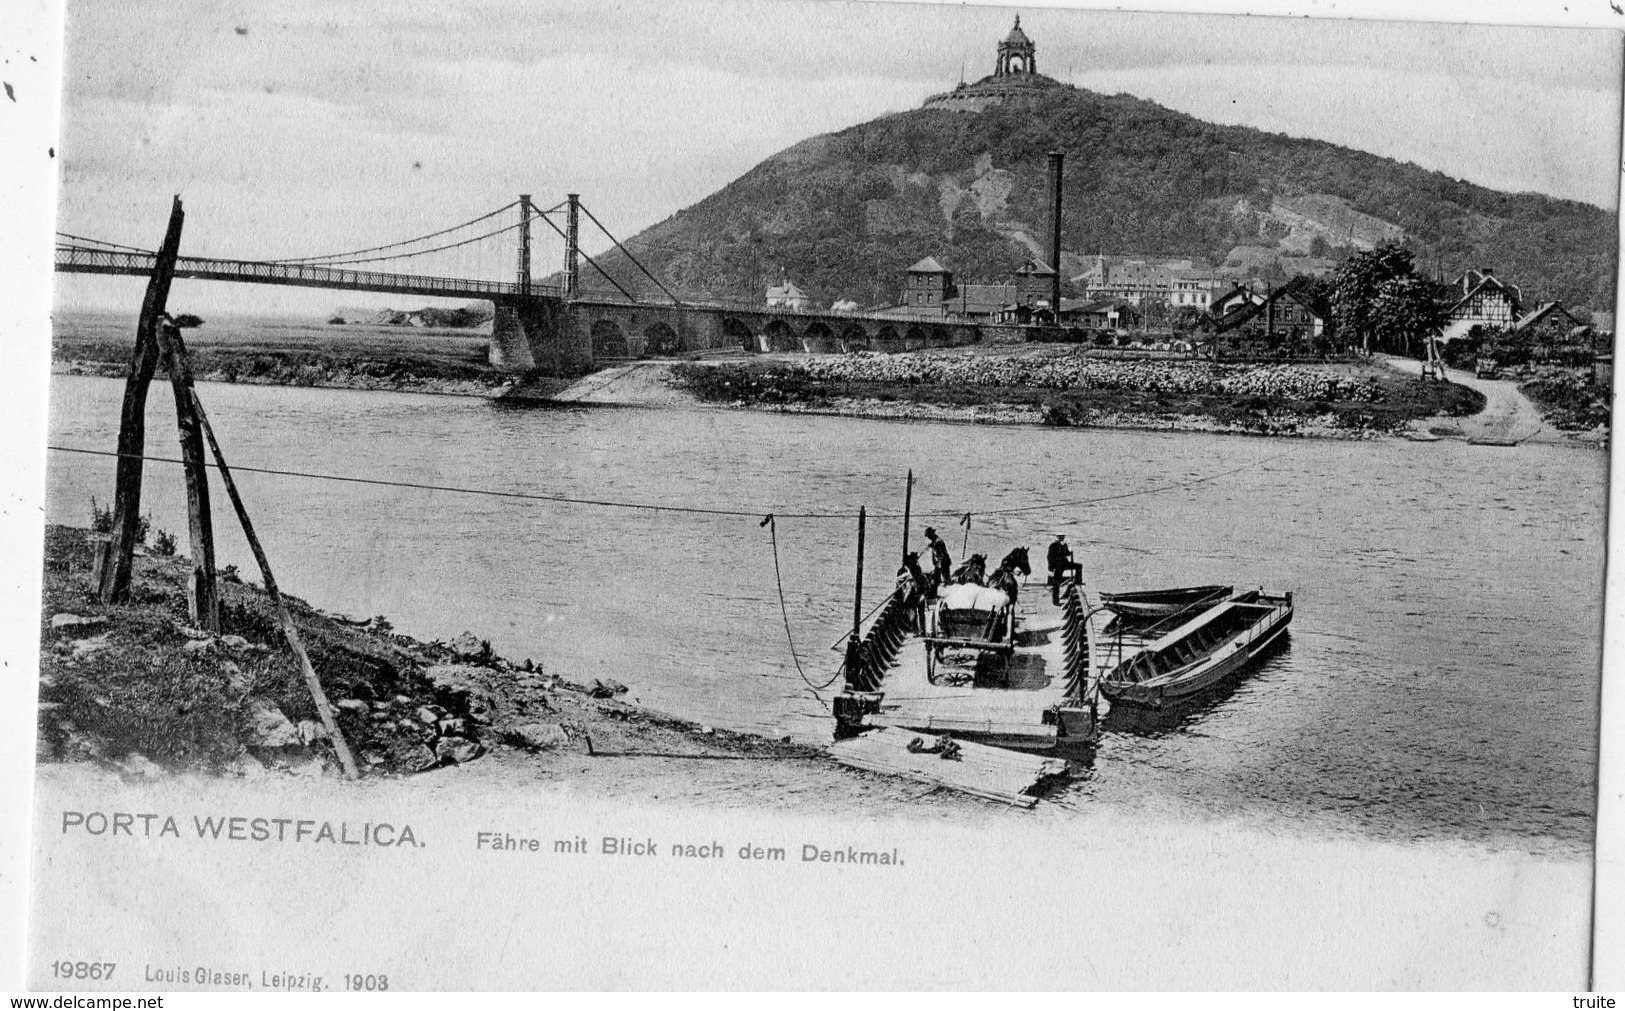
{"x":973,"y":571}
{"x":1004,"y":577}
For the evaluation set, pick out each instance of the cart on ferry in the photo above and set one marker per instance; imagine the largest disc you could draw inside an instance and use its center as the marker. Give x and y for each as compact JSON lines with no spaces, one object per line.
{"x":968,"y":622}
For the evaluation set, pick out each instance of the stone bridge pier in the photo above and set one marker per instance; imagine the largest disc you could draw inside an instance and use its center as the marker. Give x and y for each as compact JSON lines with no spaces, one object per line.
{"x":568,"y":338}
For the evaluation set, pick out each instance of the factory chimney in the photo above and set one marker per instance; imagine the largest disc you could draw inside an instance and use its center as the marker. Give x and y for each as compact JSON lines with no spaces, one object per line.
{"x":1055,"y":158}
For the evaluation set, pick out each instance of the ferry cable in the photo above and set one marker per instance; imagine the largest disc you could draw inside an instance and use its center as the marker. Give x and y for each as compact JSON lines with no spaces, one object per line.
{"x":652,"y":507}
{"x":1127,"y":494}
{"x":701,"y":510}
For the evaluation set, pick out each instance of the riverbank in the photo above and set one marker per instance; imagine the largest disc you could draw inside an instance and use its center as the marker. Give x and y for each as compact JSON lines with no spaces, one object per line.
{"x":1066,"y":388}
{"x":136,"y":691}
{"x":996,"y":385}
{"x":361,"y":356}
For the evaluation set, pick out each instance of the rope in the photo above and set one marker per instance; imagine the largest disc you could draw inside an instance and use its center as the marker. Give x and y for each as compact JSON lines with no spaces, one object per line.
{"x":784,"y":611}
{"x":392,"y":245}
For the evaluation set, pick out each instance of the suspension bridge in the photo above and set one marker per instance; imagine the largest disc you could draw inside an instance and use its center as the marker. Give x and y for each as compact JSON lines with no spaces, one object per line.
{"x":564,"y":328}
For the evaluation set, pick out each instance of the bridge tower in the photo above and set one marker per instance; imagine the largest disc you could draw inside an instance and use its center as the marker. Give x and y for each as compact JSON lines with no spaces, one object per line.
{"x":524,"y":243}
{"x":572,"y":248}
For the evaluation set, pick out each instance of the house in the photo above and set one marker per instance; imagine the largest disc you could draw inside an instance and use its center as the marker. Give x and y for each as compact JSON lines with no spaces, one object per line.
{"x":1174,"y":282}
{"x":1481,"y":299}
{"x":1034,"y":282}
{"x":984,"y":302}
{"x":1236,"y":298}
{"x":929,"y":286}
{"x":1192,"y":288}
{"x":1100,"y":313}
{"x":1286,"y":316}
{"x":788,"y":296}
{"x":1549,"y":324}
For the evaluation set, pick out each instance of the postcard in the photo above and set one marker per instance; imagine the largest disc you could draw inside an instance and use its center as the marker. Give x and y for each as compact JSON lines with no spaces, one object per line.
{"x":761,"y":494}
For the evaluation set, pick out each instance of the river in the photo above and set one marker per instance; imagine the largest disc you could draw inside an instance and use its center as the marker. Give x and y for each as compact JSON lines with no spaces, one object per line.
{"x":1441,"y":680}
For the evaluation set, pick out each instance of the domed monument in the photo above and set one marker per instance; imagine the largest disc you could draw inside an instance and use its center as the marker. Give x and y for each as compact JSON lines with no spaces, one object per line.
{"x":1015,"y":78}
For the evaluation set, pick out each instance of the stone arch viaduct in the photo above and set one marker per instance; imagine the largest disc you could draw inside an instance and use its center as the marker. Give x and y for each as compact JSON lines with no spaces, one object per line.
{"x":572,"y":336}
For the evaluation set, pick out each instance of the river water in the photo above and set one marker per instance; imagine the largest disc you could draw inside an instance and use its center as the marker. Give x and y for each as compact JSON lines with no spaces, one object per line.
{"x":1441,"y":680}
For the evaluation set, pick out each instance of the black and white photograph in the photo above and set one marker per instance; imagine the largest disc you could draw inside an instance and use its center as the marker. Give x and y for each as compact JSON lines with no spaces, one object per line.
{"x":758,"y":494}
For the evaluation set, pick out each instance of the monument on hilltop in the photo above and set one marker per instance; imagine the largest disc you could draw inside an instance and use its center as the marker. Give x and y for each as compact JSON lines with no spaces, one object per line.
{"x":1015,"y":79}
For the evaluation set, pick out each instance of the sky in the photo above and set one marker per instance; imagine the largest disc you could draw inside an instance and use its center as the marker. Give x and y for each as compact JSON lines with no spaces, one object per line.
{"x":304,"y":126}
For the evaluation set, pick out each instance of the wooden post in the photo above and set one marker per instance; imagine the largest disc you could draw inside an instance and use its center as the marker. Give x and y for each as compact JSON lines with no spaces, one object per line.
{"x":291,"y":631}
{"x":202,"y":594}
{"x":854,"y":643}
{"x":112,"y":572}
{"x":908,"y":503}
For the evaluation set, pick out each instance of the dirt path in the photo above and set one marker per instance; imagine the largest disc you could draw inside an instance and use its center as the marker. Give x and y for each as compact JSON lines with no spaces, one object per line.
{"x":641,"y":383}
{"x":1508,"y":415}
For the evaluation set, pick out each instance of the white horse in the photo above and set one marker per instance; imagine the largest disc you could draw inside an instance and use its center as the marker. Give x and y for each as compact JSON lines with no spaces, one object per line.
{"x":969,"y":596}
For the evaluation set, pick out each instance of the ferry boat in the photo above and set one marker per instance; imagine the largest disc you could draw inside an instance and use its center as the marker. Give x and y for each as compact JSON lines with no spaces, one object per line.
{"x":1017,"y":678}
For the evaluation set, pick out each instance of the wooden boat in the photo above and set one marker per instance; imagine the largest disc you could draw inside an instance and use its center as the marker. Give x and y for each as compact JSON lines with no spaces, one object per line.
{"x":1151,"y":605}
{"x":1201,"y":652}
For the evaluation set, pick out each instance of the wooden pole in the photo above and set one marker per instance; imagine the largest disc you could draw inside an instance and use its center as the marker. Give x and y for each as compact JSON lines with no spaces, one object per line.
{"x":113,"y":566}
{"x":202,"y":593}
{"x":857,"y":594}
{"x":289,"y":630}
{"x":908,"y":503}
{"x":854,"y":644}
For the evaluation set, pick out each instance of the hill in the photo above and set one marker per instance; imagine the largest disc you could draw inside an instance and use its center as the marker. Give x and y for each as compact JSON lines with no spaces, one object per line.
{"x":843,"y":214}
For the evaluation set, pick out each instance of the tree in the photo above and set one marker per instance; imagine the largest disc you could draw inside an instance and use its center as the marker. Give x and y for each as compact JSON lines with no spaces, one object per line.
{"x":1357,"y":283}
{"x":1404,"y":312}
{"x":1187,"y":318}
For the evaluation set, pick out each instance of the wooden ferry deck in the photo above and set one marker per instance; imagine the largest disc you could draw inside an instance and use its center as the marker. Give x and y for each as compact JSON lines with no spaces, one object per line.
{"x":974,"y":694}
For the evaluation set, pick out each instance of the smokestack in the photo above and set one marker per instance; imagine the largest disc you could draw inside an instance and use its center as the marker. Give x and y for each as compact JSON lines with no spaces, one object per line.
{"x":1055,"y":158}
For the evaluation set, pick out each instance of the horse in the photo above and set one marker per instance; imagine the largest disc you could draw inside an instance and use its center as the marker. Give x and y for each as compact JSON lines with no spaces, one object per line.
{"x":973,"y":571}
{"x":913,"y":587}
{"x":1004,"y":577}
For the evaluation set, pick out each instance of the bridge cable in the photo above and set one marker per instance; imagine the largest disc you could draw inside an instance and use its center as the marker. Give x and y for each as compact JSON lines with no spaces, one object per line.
{"x":406,"y":256}
{"x":631,"y":297}
{"x":392,"y":245}
{"x":104,"y":242}
{"x":636,"y":262}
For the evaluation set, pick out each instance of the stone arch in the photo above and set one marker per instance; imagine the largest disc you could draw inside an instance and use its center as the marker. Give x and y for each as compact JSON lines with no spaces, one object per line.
{"x":608,"y":341}
{"x":818,"y":338}
{"x":780,"y":337}
{"x":737,"y":334}
{"x":887,"y":339}
{"x":855,"y":338}
{"x":915,"y":337}
{"x":660,"y":339}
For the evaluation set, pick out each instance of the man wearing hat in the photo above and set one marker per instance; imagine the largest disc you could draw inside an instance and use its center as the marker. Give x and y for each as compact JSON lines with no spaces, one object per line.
{"x":941,"y":564}
{"x":1060,"y":566}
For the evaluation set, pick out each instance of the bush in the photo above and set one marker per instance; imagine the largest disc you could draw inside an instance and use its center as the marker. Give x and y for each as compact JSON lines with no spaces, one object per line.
{"x":163,"y":544}
{"x":101,"y":520}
